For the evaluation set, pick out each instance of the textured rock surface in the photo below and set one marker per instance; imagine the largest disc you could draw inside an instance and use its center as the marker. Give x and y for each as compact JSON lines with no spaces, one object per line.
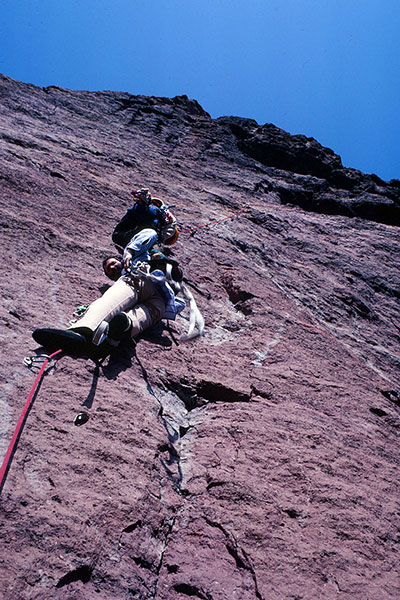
{"x":260,"y":461}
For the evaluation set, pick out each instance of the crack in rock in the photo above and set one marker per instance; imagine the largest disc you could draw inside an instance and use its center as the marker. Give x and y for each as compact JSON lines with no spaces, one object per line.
{"x":174,"y":417}
{"x":195,"y":395}
{"x":132,"y":527}
{"x":82,"y":573}
{"x":217,"y":392}
{"x":213,"y":484}
{"x":177,"y":402}
{"x":392,"y":396}
{"x":236,"y":295}
{"x":152,"y":564}
{"x":238,"y":553}
{"x":191,"y":590}
{"x":171,"y":525}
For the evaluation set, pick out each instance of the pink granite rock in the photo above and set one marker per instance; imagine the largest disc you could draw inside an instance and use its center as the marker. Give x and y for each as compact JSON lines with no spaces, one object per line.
{"x":259,"y":461}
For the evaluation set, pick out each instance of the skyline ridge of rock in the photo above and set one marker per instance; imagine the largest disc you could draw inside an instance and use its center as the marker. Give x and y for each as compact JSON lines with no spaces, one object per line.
{"x":260,"y":461}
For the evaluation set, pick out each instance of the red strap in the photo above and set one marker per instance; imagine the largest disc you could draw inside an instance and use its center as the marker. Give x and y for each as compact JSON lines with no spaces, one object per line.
{"x":18,"y":430}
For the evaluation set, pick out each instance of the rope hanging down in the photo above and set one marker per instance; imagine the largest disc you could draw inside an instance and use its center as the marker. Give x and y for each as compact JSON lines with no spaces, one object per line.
{"x":21,"y":421}
{"x":193,"y":229}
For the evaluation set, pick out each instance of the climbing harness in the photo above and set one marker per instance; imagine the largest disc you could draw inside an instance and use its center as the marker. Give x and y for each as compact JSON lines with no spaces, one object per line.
{"x":196,"y":321}
{"x":137,"y":270}
{"x":194,"y":229}
{"x":32,"y":363}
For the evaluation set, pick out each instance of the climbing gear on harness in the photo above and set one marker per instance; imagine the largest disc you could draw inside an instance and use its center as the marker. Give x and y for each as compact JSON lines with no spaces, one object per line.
{"x":35,"y":363}
{"x":196,"y":321}
{"x":78,"y":312}
{"x":137,"y":270}
{"x":22,"y":419}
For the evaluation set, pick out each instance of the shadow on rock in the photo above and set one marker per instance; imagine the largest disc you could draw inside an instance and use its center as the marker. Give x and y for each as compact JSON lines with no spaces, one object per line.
{"x":90,"y":397}
{"x":120,"y":360}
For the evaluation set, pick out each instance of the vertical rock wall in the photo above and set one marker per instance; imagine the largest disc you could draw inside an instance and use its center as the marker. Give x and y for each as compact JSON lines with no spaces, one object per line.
{"x":259,"y":461}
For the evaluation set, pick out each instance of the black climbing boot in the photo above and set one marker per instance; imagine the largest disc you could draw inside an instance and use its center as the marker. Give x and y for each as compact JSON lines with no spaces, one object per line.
{"x":85,"y":331}
{"x":118,"y":327}
{"x":70,"y":342}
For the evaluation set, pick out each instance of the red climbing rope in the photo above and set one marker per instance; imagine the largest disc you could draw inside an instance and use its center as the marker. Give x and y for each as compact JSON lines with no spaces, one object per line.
{"x":21,"y":421}
{"x":217,"y":221}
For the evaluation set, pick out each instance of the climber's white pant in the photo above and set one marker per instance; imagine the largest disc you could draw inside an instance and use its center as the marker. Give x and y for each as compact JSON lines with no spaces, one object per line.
{"x":141,"y":301}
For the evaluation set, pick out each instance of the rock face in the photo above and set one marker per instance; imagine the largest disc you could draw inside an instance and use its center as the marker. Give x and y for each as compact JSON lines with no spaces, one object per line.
{"x":258,"y":461}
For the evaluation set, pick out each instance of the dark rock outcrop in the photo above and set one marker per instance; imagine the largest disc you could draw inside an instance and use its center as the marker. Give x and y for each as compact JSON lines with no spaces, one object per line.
{"x":335,"y":191}
{"x":257,"y":462}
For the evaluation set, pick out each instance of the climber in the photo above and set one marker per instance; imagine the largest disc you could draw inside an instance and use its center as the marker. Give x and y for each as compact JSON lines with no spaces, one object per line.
{"x":136,"y":301}
{"x":113,"y":266}
{"x":147,"y":212}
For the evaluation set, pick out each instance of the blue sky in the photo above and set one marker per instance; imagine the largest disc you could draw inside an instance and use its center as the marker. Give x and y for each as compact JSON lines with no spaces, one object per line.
{"x":329,"y":69}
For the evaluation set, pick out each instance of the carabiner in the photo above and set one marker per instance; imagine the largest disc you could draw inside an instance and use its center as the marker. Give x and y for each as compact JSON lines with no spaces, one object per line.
{"x":35,"y":363}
